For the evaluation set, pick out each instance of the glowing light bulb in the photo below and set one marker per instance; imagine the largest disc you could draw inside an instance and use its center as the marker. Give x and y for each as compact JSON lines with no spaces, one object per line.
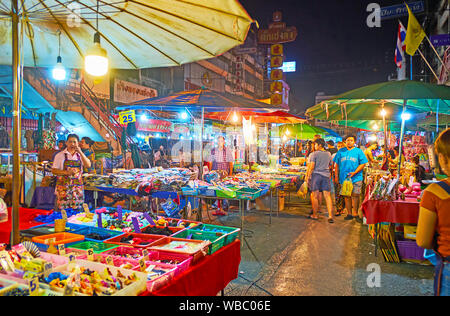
{"x":59,"y":72}
{"x":96,"y":62}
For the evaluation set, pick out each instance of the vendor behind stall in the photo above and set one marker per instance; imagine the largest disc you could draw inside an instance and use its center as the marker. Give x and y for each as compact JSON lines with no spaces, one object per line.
{"x":68,"y":167}
{"x":86,"y":146}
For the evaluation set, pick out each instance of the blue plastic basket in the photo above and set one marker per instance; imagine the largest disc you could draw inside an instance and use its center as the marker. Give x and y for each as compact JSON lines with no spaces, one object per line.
{"x":105,"y":234}
{"x":207,"y":191}
{"x":189,"y":191}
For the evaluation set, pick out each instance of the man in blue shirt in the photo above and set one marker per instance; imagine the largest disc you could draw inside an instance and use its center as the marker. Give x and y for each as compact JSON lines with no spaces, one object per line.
{"x":350,"y":162}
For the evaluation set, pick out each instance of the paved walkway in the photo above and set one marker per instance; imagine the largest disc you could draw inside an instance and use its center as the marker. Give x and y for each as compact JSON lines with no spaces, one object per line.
{"x":297,"y":256}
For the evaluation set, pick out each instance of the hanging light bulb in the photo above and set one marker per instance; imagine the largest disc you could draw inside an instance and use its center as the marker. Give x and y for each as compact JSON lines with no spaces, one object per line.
{"x":96,"y":62}
{"x":235,"y":117}
{"x":184,"y":115}
{"x":59,"y":72}
{"x":383,"y":112}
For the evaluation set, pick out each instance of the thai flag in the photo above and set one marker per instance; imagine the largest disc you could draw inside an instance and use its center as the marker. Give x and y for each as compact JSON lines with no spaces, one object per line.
{"x":401,"y":47}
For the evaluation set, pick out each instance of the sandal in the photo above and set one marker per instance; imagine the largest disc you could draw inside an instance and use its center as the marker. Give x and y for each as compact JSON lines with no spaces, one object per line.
{"x":330,"y":220}
{"x":313,"y":218}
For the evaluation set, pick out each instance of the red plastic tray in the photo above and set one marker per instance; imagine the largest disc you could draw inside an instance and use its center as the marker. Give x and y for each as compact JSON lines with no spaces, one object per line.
{"x":147,"y":237}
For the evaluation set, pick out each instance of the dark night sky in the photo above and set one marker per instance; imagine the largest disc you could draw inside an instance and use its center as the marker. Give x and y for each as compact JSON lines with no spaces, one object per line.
{"x":331,"y":33}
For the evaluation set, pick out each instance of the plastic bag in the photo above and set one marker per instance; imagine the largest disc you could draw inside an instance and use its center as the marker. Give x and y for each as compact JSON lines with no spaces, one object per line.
{"x":347,"y":187}
{"x":303,"y":191}
{"x":3,"y":211}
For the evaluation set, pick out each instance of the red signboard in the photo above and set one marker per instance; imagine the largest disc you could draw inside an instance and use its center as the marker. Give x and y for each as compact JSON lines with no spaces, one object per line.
{"x":158,"y":126}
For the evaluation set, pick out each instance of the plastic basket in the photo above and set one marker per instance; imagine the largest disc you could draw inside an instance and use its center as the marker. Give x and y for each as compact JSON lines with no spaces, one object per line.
{"x":248,"y":193}
{"x":119,"y":262}
{"x":56,"y":260}
{"x":173,"y":230}
{"x":217,"y":239}
{"x":155,"y":282}
{"x":226,"y":194}
{"x":231,"y":233}
{"x":44,"y":290}
{"x":147,"y":238}
{"x":132,"y":289}
{"x":126,"y":252}
{"x":45,"y":229}
{"x":207,"y":191}
{"x":189,"y":191}
{"x":60,"y":238}
{"x":103,"y":234}
{"x":408,"y":249}
{"x":97,"y":247}
{"x":182,"y":261}
{"x":195,"y":248}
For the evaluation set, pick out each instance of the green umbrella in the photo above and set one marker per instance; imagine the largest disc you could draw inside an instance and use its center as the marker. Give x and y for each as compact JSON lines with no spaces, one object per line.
{"x":408,"y":95}
{"x":357,"y":110}
{"x":301,"y":131}
{"x":372,"y":125}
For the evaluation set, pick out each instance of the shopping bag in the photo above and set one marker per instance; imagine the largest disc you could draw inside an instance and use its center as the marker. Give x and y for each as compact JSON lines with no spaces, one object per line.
{"x":303,"y":191}
{"x":3,"y":211}
{"x":347,"y":187}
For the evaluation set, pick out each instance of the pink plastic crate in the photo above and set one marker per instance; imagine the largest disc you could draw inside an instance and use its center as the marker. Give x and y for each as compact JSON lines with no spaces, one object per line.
{"x":126,"y":252}
{"x":161,"y":280}
{"x":118,"y":262}
{"x":183,"y":262}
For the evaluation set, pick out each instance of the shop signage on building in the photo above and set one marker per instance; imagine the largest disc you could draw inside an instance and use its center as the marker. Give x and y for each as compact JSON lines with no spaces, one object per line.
{"x":277,"y":32}
{"x":128,"y":92}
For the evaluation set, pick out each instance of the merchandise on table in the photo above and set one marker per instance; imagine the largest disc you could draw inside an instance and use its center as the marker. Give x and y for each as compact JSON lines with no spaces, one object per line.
{"x":195,"y":248}
{"x":135,"y":240}
{"x":97,"y":247}
{"x":95,"y":279}
{"x":143,"y":181}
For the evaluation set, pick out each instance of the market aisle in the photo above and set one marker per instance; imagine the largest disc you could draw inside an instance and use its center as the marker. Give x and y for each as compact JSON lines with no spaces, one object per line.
{"x":297,"y":256}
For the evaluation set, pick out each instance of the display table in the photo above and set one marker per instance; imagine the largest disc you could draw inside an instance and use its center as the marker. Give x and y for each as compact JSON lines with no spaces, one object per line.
{"x":399,"y":212}
{"x":26,"y":220}
{"x":206,"y":278}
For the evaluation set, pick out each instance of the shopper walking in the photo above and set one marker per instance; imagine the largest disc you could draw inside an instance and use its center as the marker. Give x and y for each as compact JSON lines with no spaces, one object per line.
{"x":350,"y":161}
{"x":433,"y":229}
{"x":319,"y":178}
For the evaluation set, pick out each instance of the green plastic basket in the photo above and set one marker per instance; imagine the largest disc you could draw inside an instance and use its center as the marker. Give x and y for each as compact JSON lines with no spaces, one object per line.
{"x":248,"y":194}
{"x":226,"y":194}
{"x":98,"y":247}
{"x":231,"y":233}
{"x":217,"y":239}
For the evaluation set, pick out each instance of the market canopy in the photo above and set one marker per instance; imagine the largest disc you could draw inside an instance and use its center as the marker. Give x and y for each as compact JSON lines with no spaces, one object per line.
{"x":201,"y":98}
{"x":301,"y":131}
{"x":135,"y":34}
{"x":365,"y":103}
{"x":277,"y":117}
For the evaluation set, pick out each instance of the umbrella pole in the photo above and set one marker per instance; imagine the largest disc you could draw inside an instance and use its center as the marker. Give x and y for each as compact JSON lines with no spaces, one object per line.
{"x":437,"y":118}
{"x":402,"y":132}
{"x":201,"y":144}
{"x":16,"y":124}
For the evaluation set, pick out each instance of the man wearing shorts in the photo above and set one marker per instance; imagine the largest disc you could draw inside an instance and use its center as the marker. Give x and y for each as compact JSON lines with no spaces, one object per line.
{"x":318,"y":177}
{"x":350,"y":162}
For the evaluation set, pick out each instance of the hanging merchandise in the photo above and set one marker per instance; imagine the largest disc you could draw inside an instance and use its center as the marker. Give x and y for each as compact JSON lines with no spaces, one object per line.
{"x":135,"y":156}
{"x":29,"y":140}
{"x":48,"y":139}
{"x":131,"y":129}
{"x":4,"y":138}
